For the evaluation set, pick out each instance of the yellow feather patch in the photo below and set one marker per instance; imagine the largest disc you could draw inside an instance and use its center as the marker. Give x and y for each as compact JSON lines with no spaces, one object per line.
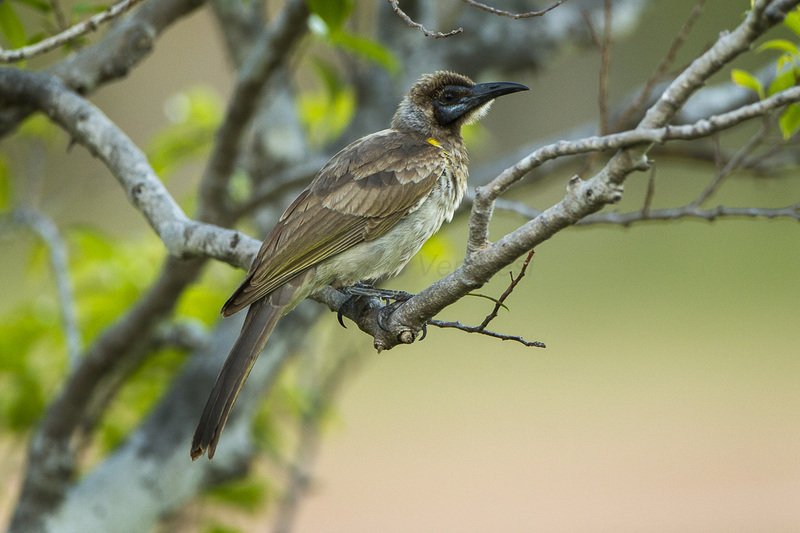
{"x":434,"y":142}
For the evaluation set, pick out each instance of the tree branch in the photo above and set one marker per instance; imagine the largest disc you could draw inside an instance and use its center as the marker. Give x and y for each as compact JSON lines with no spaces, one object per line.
{"x":665,"y":214}
{"x":82,"y":28}
{"x":428,"y":33}
{"x":46,"y":229}
{"x":124,"y":45}
{"x":485,"y":196}
{"x":266,"y":55}
{"x":51,"y":456}
{"x":515,"y":16}
{"x":88,"y":126}
{"x":583,"y":198}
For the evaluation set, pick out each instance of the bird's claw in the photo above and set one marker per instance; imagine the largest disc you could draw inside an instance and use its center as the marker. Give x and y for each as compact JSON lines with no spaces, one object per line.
{"x":359,"y":289}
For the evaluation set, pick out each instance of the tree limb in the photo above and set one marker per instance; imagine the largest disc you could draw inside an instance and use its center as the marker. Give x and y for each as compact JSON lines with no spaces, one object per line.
{"x":265,"y":57}
{"x":583,"y":198}
{"x":183,"y":237}
{"x":125,"y":44}
{"x":82,"y":28}
{"x":46,"y":229}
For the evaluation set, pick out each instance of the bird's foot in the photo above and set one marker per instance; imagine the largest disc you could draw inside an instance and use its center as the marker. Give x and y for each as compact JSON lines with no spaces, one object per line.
{"x":359,"y":289}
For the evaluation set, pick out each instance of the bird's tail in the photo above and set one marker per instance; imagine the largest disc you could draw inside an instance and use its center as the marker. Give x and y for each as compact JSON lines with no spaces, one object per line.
{"x":261,"y":319}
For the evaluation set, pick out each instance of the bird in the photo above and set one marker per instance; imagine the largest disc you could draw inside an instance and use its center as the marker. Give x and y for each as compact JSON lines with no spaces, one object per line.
{"x":361,"y":219}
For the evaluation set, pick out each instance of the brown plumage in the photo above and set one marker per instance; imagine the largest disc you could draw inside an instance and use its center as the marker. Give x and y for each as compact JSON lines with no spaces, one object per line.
{"x":362,"y":218}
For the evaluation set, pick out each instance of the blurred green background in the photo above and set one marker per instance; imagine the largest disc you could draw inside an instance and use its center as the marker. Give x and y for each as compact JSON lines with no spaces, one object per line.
{"x":667,"y":398}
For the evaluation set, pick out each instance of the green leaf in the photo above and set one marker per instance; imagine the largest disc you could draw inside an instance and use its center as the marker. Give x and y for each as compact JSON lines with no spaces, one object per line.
{"x":790,"y":120}
{"x":792,"y":21}
{"x":11,"y":26}
{"x":328,"y":74}
{"x":248,"y":494}
{"x":784,"y":60}
{"x":221,"y":528}
{"x":368,"y":49}
{"x":490,"y":298}
{"x":747,"y":80}
{"x":781,"y":82}
{"x":195,"y":116}
{"x":39,"y":5}
{"x":783,"y":45}
{"x":29,"y":363}
{"x":324,"y":115}
{"x":85,"y":8}
{"x":27,"y":406}
{"x":332,"y":12}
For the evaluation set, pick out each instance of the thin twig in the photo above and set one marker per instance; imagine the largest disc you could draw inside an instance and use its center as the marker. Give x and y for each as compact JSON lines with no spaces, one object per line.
{"x":604,"y":47}
{"x":674,"y":213}
{"x":605,"y":65}
{"x":495,"y":11}
{"x":514,"y":282}
{"x":734,"y":162}
{"x":669,"y":213}
{"x":420,"y":27}
{"x":267,"y":55}
{"x":61,"y":20}
{"x":662,"y":67}
{"x":476,"y":329}
{"x":651,"y":190}
{"x":47,"y":230}
{"x":82,"y":28}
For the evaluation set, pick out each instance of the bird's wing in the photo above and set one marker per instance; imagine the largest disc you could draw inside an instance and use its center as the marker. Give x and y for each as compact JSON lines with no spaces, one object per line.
{"x":358,"y":195}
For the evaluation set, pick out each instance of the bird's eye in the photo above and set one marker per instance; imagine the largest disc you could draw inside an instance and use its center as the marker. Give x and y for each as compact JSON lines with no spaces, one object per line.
{"x":447,"y":97}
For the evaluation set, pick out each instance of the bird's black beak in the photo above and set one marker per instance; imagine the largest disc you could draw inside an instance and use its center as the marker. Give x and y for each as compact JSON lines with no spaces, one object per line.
{"x":483,"y":92}
{"x":471,"y":100}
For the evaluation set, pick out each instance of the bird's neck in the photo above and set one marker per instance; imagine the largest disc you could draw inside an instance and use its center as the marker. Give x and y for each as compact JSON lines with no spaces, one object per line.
{"x":449,"y":138}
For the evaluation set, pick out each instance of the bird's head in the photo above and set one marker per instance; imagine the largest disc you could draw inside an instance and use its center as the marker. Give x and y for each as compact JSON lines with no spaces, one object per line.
{"x":445,"y":101}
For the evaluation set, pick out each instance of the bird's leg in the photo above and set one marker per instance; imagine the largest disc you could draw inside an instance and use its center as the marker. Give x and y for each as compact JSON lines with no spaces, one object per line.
{"x":362,"y":289}
{"x":359,"y":289}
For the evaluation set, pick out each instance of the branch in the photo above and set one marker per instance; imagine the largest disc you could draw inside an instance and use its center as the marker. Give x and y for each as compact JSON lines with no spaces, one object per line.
{"x":324,"y":389}
{"x":46,"y":229}
{"x":484,"y":331}
{"x":150,"y":475}
{"x":282,"y":182}
{"x":515,"y":16}
{"x":663,"y":65}
{"x":734,"y":162}
{"x":420,"y":27}
{"x":653,"y":215}
{"x":183,"y":237}
{"x":51,"y":460}
{"x":514,"y":282}
{"x":88,"y":25}
{"x":483,"y":260}
{"x":485,"y":196}
{"x":270,"y":52}
{"x":690,"y":211}
{"x":241,"y":24}
{"x":122,"y":47}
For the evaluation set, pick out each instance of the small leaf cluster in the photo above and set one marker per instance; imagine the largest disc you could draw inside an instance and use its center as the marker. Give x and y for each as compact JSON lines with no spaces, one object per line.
{"x":787,"y":74}
{"x":327,"y":112}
